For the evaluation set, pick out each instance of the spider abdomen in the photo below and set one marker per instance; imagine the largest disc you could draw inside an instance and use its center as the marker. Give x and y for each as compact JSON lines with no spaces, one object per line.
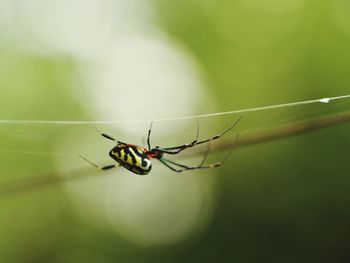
{"x":132,"y":157}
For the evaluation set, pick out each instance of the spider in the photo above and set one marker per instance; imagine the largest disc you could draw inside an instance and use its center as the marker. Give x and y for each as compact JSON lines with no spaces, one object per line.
{"x":137,"y":159}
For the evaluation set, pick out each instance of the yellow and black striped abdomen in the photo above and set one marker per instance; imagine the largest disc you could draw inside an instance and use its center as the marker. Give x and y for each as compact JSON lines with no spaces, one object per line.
{"x":132,"y":157}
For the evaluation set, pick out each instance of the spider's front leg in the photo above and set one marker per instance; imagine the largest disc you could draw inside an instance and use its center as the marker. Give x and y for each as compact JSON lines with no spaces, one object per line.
{"x":183,"y":167}
{"x":180,"y":148}
{"x":223,"y":133}
{"x":149,"y":136}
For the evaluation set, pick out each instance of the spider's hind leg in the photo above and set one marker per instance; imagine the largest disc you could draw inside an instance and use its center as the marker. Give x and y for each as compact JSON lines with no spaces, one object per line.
{"x":106,"y":167}
{"x":104,"y":134}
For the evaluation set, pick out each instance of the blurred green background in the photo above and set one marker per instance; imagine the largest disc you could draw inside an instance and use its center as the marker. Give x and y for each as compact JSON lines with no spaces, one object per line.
{"x":285,"y":201}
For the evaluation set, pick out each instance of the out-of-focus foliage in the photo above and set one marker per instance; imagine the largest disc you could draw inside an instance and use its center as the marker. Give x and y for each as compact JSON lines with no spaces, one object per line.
{"x":285,"y":201}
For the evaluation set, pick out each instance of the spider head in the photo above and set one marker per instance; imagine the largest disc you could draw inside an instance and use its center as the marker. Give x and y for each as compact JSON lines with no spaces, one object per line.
{"x":155,"y":153}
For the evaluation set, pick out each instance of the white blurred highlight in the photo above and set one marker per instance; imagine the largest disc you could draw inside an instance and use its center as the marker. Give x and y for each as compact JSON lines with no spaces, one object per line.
{"x":132,"y":71}
{"x":144,"y":78}
{"x":78,"y":28}
{"x":162,"y":208}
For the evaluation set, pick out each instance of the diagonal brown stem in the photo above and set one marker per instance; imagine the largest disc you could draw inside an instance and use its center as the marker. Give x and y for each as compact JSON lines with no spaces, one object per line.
{"x":286,"y":131}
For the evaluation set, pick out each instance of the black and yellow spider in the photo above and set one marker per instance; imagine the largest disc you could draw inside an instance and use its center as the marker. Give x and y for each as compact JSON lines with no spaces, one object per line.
{"x":137,"y":159}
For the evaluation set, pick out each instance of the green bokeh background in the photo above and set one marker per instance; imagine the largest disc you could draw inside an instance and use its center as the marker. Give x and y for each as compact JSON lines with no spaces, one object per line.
{"x":285,"y":201}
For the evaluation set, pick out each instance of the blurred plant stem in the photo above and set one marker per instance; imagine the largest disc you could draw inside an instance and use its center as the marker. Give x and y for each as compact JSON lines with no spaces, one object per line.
{"x":293,"y":129}
{"x":249,"y":139}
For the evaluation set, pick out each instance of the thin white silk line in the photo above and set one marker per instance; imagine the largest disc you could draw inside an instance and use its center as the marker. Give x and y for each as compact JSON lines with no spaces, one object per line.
{"x":80,"y":122}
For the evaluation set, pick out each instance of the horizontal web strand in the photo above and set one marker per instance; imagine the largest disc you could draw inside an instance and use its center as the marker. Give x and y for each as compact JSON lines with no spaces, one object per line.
{"x":68,"y":122}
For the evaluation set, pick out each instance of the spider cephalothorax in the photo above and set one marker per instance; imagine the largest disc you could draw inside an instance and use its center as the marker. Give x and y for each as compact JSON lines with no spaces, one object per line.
{"x":137,"y":159}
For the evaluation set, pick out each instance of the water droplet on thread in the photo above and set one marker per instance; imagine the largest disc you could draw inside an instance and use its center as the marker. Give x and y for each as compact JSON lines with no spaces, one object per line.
{"x":325,"y":100}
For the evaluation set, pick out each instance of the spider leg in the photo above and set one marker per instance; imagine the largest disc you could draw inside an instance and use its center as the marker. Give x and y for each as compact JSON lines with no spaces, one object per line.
{"x":149,"y":136}
{"x":223,"y":133}
{"x":201,"y":165}
{"x":206,"y":155}
{"x":230,"y":152}
{"x":170,"y":167}
{"x":186,"y":167}
{"x":108,"y":137}
{"x":104,"y":134}
{"x":180,"y":148}
{"x":106,"y":167}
